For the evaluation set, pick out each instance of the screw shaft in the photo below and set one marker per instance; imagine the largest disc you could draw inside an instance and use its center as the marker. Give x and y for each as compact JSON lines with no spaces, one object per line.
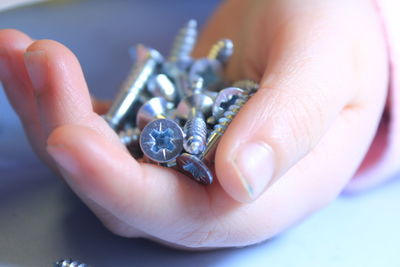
{"x":184,"y":42}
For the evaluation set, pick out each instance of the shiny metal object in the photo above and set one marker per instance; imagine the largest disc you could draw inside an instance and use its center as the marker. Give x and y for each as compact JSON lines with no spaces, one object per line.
{"x":211,"y":70}
{"x":222,"y":51}
{"x":160,"y":85}
{"x":195,"y":168}
{"x":147,"y":60}
{"x":247,"y":85}
{"x":225,"y":98}
{"x":184,"y":44}
{"x":162,"y":140}
{"x":155,"y":108}
{"x":223,"y":123}
{"x":69,"y":263}
{"x":195,"y":127}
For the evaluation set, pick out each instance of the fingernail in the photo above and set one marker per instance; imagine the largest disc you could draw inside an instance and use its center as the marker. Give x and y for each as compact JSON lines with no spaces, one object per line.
{"x":254,"y":164}
{"x":63,"y":159}
{"x":36,"y":64}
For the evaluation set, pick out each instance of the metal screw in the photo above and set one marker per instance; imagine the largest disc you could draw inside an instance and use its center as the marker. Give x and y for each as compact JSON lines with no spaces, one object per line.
{"x":221,"y":51}
{"x":69,"y":263}
{"x":223,"y":123}
{"x":184,"y":43}
{"x":225,"y":98}
{"x":146,"y":63}
{"x":211,"y":70}
{"x":195,"y":168}
{"x":160,"y":85}
{"x":155,"y":108}
{"x":162,"y":140}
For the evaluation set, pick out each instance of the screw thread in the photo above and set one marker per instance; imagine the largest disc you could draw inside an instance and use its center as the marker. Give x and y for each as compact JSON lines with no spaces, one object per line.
{"x":224,"y":121}
{"x":184,"y":42}
{"x":196,"y":135}
{"x":221,"y":50}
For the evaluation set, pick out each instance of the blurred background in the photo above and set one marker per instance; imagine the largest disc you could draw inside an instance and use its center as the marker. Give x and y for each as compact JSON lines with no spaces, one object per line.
{"x":42,"y":221}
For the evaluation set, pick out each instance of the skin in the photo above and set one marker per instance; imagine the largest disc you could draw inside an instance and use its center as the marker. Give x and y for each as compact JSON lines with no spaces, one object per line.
{"x":322,"y":67}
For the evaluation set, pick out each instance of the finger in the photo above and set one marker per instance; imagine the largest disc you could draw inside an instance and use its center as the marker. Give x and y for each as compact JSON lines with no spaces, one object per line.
{"x":159,"y":202}
{"x":61,"y":92}
{"x":299,"y":99}
{"x":18,"y":88}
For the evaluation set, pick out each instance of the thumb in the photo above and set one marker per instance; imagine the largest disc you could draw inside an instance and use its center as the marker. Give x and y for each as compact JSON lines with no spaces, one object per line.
{"x":298,"y":100}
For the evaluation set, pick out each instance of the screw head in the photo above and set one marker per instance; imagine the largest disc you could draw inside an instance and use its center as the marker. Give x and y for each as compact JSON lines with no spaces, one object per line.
{"x":162,"y":140}
{"x":224,"y":99}
{"x":195,"y":168}
{"x":201,"y":102}
{"x":155,"y":108}
{"x":211,"y":70}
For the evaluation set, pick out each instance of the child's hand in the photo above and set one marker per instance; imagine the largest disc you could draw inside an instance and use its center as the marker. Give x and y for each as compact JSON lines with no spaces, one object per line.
{"x":291,"y":150}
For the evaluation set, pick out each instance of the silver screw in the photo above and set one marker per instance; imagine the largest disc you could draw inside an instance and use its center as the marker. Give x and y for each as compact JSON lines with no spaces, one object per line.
{"x":225,"y":98}
{"x":146,"y":63}
{"x":221,"y":51}
{"x":223,"y":123}
{"x":155,"y":108}
{"x":195,"y":168}
{"x":184,"y":43}
{"x":161,"y":85}
{"x":69,"y":263}
{"x":162,"y":140}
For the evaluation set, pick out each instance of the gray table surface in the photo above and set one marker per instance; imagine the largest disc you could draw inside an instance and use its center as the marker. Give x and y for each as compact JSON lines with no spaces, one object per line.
{"x":41,"y":220}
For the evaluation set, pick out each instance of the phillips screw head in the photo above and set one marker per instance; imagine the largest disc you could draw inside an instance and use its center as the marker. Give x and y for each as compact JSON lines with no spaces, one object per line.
{"x":162,"y":140}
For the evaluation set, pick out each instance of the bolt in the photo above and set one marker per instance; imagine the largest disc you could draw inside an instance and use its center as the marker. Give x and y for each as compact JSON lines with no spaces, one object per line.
{"x":129,"y":95}
{"x":221,"y":51}
{"x":162,"y":140}
{"x":69,"y":263}
{"x":155,"y":108}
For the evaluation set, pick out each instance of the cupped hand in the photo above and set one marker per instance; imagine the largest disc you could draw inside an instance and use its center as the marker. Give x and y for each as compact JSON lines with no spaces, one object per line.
{"x":322,"y":67}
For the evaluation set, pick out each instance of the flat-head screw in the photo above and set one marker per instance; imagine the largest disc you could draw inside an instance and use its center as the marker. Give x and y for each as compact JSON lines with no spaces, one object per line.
{"x":155,"y":108}
{"x":162,"y":140}
{"x":221,"y":51}
{"x":147,"y":60}
{"x":184,"y":43}
{"x":195,"y":168}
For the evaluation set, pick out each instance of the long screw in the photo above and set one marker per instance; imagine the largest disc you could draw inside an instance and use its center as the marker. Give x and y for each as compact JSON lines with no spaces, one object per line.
{"x":184,"y":43}
{"x":147,"y":61}
{"x":195,"y":127}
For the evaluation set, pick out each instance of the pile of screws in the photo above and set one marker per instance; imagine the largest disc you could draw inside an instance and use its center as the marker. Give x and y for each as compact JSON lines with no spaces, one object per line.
{"x":173,"y":112}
